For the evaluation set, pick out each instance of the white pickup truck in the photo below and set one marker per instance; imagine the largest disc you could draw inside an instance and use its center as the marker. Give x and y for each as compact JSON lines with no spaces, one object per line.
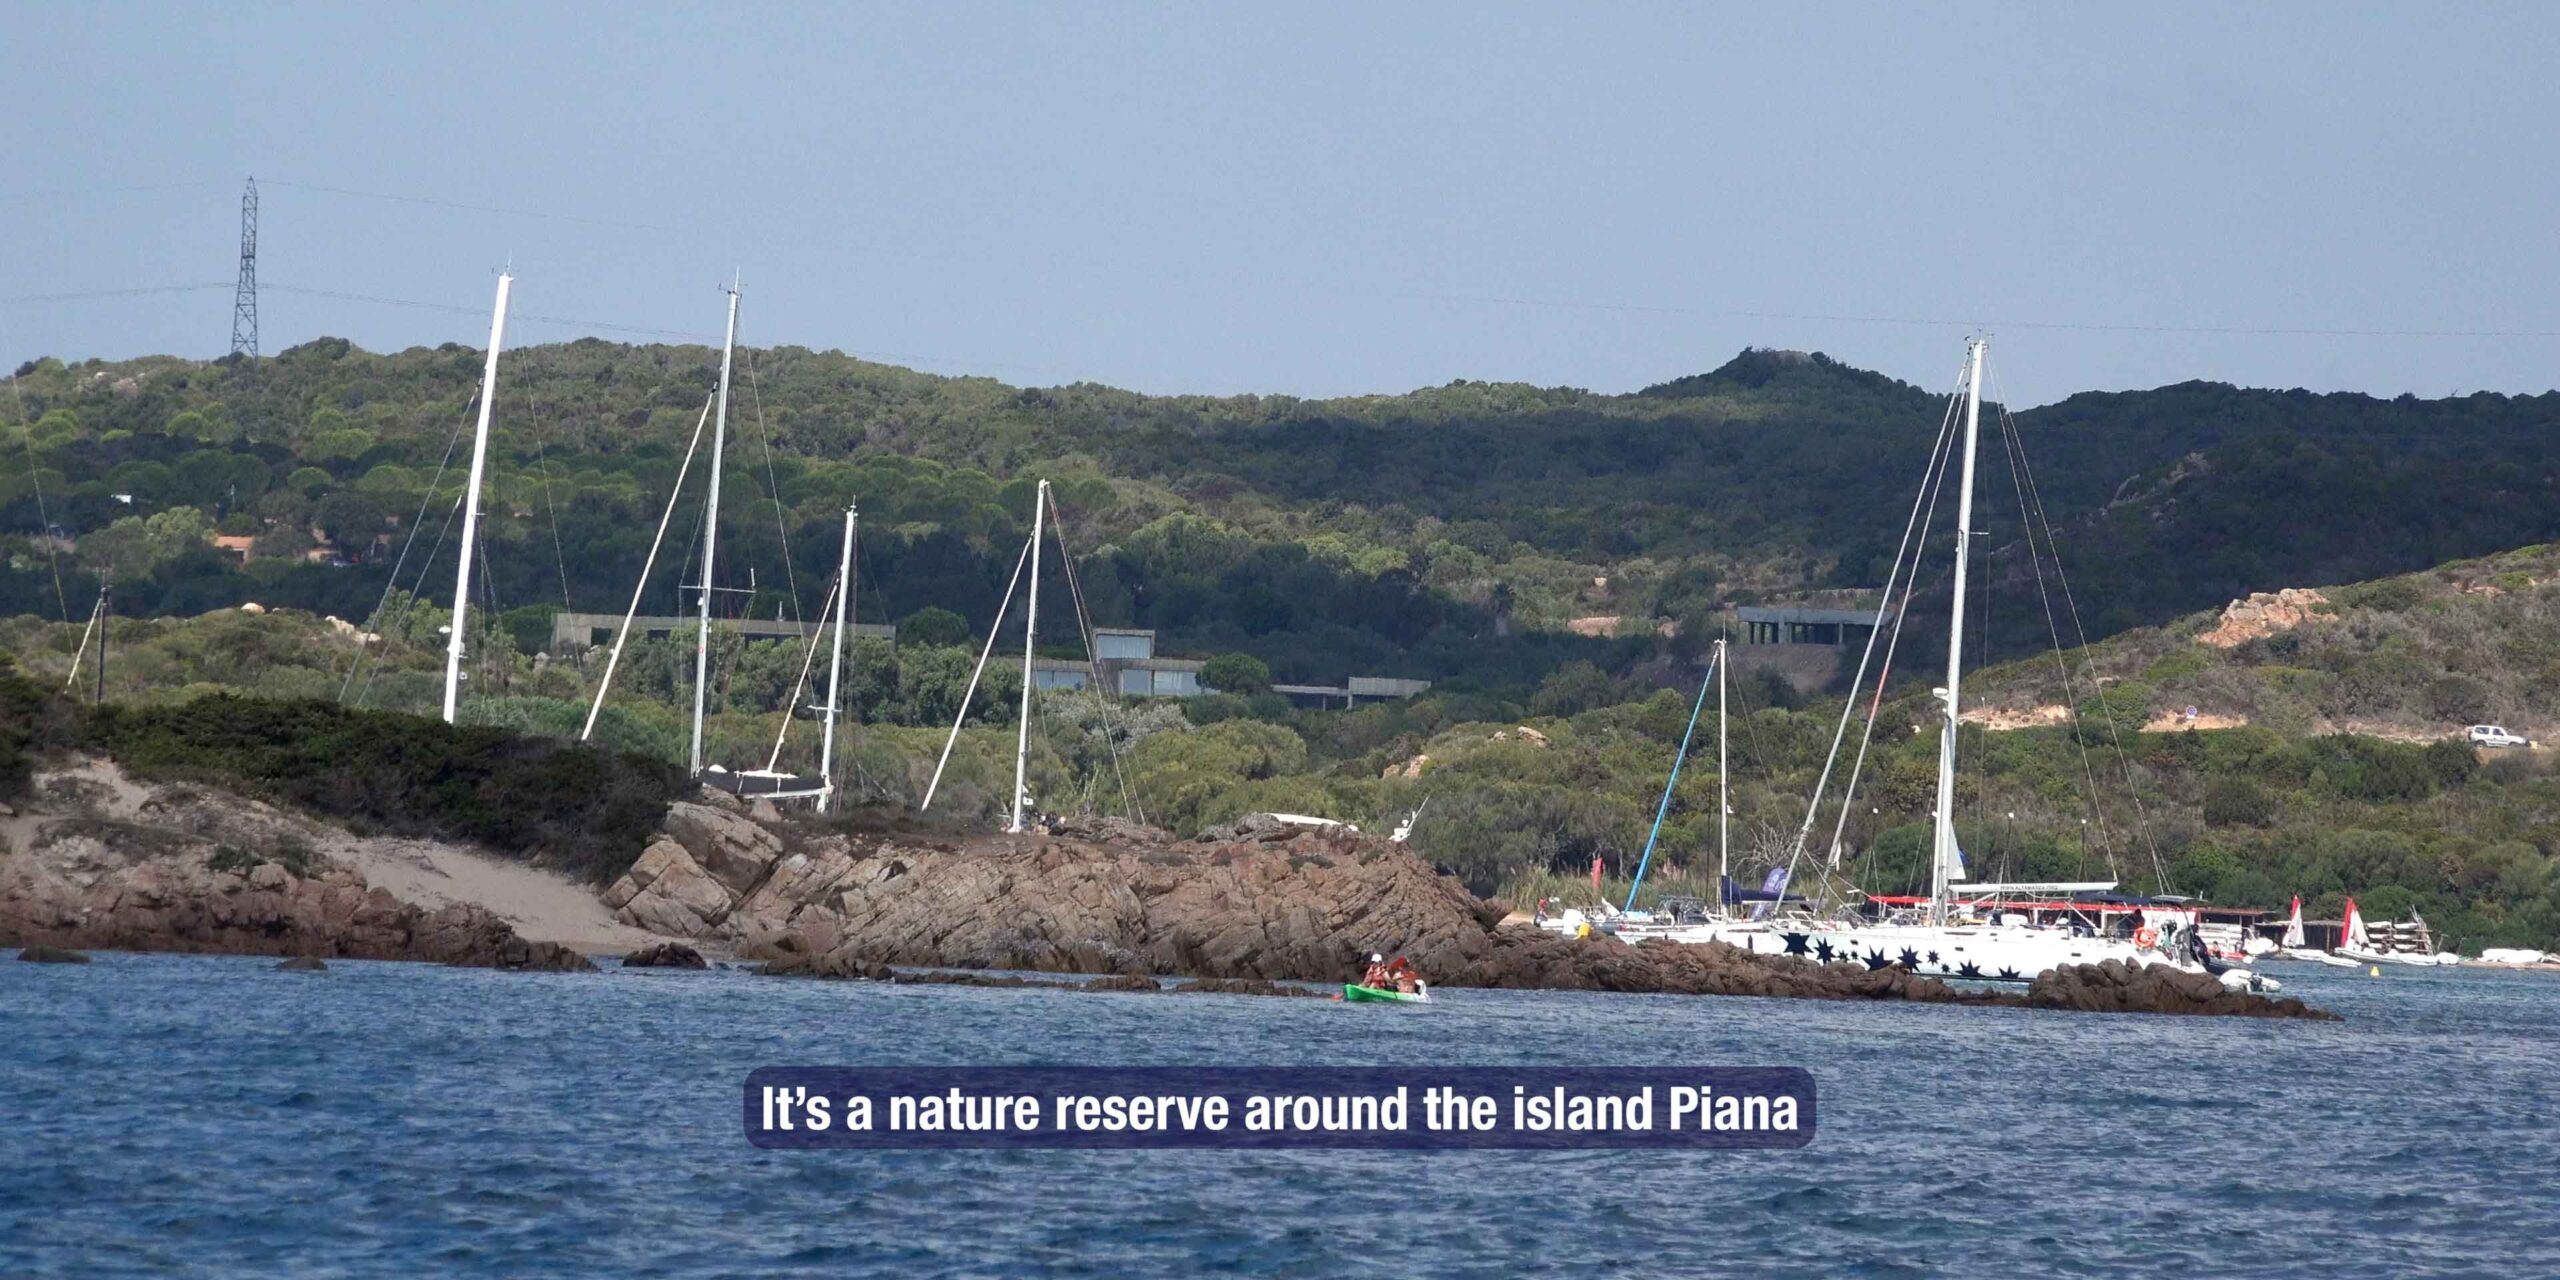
{"x":2496,"y":735}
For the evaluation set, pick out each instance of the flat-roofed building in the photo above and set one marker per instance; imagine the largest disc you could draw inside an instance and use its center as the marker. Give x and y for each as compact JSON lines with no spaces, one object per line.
{"x":588,"y":630}
{"x":1800,"y":624}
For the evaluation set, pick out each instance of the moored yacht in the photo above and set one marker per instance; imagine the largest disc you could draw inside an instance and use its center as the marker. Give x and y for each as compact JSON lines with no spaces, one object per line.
{"x":1982,"y":932}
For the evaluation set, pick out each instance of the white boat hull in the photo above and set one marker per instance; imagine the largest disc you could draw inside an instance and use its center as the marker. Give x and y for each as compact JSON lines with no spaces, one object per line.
{"x":1981,"y":953}
{"x":2415,"y":959}
{"x":1965,"y":953}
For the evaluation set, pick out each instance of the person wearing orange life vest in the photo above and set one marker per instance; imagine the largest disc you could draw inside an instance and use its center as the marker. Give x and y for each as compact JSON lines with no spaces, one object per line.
{"x":1376,"y":976}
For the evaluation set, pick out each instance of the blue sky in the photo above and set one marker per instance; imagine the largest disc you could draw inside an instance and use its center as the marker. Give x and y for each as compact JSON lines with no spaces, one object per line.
{"x":1319,"y":199}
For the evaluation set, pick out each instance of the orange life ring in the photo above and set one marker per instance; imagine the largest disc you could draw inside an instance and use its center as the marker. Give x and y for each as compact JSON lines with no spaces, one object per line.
{"x":2146,"y":937}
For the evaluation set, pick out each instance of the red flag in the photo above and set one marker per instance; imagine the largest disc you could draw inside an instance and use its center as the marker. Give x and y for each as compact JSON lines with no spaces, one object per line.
{"x":1595,"y":873}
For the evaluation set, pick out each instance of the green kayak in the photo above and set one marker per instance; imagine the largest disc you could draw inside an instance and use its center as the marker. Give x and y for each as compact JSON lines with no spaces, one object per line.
{"x":1353,"y":991}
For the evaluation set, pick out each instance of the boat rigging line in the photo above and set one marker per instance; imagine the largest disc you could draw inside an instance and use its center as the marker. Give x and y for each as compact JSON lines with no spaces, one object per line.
{"x":378,"y":622}
{"x":1914,"y":529}
{"x":2062,"y":666}
{"x":1712,"y":679}
{"x":1107,"y":694}
{"x":35,"y":480}
{"x":773,"y":488}
{"x":675,"y":494}
{"x":2115,"y":737}
{"x":971,"y":692}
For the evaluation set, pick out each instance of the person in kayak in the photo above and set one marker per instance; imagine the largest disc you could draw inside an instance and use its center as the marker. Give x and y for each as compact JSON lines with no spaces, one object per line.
{"x":1376,"y":975}
{"x":1402,"y":976}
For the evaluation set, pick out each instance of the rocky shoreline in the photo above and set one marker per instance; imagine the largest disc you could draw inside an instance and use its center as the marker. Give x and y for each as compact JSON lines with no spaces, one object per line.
{"x":1248,"y":910}
{"x":1258,"y":903}
{"x":181,"y":869}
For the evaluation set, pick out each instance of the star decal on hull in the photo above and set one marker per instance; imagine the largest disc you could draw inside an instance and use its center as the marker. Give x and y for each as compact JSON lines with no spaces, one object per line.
{"x":1796,"y":944}
{"x":1823,"y":950}
{"x":1876,"y":960}
{"x":1968,"y":970}
{"x":1910,"y":958}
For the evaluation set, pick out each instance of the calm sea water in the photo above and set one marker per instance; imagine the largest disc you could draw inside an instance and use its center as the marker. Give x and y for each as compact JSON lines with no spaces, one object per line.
{"x":168,"y":1115}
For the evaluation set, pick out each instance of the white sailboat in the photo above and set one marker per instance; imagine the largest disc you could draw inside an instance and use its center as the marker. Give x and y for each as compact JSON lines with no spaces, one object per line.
{"x":1024,"y":811}
{"x":1971,"y":931}
{"x":1753,"y":930}
{"x":2407,"y":946}
{"x":1022,"y":799}
{"x":2294,"y":946}
{"x":769,"y":782}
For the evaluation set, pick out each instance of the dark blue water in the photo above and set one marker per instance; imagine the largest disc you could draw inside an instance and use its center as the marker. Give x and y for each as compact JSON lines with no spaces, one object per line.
{"x":164,"y":1115}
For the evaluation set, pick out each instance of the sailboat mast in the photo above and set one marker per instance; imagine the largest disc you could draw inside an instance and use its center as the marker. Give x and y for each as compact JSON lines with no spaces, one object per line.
{"x":835,"y":668}
{"x":470,"y":503}
{"x":1724,"y":809}
{"x":1030,"y":634}
{"x":711,"y":529}
{"x":1945,"y":852}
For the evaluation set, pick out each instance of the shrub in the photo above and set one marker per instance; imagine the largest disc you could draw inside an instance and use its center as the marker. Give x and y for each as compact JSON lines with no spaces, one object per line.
{"x":579,"y":808}
{"x":2238,"y":802}
{"x":1236,"y":673}
{"x":934,"y":626}
{"x":21,"y":703}
{"x":2391,"y":595}
{"x":2450,"y":763}
{"x":2458,"y":698}
{"x":291,"y":854}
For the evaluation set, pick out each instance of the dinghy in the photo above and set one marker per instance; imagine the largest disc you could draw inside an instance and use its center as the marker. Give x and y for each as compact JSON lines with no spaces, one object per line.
{"x":1354,"y":993}
{"x":2293,"y":946}
{"x":2356,"y":944}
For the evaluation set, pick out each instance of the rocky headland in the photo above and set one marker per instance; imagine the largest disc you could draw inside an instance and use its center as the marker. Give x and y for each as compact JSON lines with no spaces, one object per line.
{"x":95,"y":860}
{"x":98,"y":860}
{"x":1262,"y":902}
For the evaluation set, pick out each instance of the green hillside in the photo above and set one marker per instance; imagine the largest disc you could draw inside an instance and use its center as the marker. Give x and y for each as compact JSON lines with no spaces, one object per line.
{"x":1519,"y":793}
{"x":1450,"y":532}
{"x":2416,"y":657}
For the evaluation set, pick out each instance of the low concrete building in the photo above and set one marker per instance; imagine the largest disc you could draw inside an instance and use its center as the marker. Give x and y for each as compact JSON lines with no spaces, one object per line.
{"x":1797,"y":624}
{"x":1350,"y":692}
{"x":589,"y":630}
{"x":1128,"y":661}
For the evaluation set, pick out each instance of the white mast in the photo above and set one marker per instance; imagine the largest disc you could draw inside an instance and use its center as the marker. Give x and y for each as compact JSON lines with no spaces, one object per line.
{"x":711,"y":529}
{"x":471,"y":501}
{"x":835,"y":669}
{"x":1724,"y":809}
{"x":1944,"y":852}
{"x":1030,"y":635}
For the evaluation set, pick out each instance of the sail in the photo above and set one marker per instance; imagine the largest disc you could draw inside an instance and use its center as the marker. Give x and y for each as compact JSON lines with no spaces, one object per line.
{"x":2293,"y":925}
{"x":2351,"y":933}
{"x":1775,"y":887}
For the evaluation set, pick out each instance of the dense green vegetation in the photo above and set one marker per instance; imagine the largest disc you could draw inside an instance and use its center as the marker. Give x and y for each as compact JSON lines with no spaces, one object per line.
{"x":584,"y":810}
{"x":1447,"y":533}
{"x":1519,"y":795}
